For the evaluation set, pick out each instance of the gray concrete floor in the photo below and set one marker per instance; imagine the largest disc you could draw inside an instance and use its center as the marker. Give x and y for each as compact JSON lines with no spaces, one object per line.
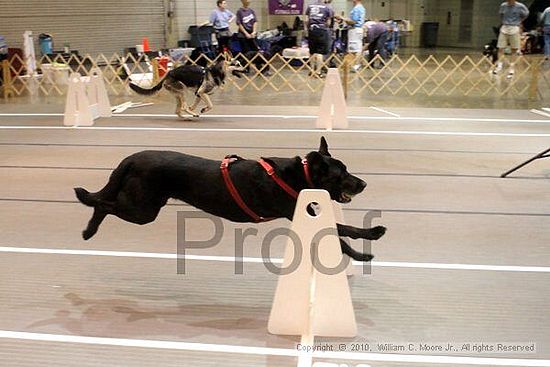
{"x":439,"y":194}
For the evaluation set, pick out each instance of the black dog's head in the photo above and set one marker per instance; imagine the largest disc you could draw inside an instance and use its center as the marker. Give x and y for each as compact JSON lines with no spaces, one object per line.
{"x":331,"y":174}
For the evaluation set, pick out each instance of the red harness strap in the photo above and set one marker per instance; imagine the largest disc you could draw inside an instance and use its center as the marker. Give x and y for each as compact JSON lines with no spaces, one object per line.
{"x":306,"y":173}
{"x":233,"y":190}
{"x":271,"y":172}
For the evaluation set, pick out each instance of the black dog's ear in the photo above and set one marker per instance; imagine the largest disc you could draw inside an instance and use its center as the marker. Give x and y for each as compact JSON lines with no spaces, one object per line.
{"x":323,"y":148}
{"x":317,"y":163}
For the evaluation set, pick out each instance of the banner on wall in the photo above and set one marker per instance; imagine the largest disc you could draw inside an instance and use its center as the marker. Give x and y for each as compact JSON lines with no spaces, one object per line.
{"x":286,"y":7}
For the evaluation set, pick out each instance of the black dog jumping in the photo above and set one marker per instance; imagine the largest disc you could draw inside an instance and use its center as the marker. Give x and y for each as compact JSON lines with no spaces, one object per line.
{"x":143,"y":182}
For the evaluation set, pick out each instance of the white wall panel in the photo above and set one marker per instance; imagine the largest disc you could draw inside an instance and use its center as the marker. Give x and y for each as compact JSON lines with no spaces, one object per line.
{"x":100,"y":26}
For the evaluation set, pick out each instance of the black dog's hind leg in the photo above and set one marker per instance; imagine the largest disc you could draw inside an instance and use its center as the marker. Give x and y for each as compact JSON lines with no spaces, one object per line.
{"x":355,"y":255}
{"x":94,"y":223}
{"x":361,"y":233}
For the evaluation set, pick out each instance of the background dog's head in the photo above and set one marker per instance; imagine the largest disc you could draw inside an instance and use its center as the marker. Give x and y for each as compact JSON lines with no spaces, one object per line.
{"x":221,"y":67}
{"x":332,"y":175}
{"x":233,"y":67}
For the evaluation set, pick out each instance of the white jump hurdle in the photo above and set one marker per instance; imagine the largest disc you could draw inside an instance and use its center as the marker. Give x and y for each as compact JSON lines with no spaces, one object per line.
{"x":87,"y":100}
{"x":333,"y":113}
{"x":309,"y":302}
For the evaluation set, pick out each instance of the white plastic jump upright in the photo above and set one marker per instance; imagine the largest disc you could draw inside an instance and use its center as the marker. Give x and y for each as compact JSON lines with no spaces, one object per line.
{"x":333,"y":113}
{"x":87,"y":100}
{"x":309,"y":302}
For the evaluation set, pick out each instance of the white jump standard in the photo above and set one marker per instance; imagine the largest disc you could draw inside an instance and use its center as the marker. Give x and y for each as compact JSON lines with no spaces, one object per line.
{"x":87,"y":100}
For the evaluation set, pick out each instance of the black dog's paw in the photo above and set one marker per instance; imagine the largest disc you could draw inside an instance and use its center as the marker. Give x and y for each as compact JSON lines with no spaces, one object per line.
{"x":87,"y":234}
{"x":377,"y":232}
{"x":366,"y":258}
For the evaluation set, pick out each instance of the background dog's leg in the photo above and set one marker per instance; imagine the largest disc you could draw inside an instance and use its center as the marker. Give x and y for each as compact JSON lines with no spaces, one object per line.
{"x":179,"y":106}
{"x":93,"y":224}
{"x":365,"y":233}
{"x":195,"y":103}
{"x":186,"y":109}
{"x":209,"y":104}
{"x":355,"y":255}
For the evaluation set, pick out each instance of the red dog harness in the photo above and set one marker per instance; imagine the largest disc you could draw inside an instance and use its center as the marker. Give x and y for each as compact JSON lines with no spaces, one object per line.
{"x":271,"y":172}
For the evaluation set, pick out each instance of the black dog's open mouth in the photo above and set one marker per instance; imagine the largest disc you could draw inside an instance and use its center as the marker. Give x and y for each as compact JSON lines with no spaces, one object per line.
{"x":345,"y":198}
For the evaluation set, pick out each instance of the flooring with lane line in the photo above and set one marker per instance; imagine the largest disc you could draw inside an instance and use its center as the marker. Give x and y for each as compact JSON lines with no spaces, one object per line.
{"x":466,"y":258}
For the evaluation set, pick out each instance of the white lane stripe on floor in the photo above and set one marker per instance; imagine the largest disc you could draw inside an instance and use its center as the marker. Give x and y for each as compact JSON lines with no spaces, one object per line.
{"x":541,"y":113}
{"x":381,"y":264}
{"x":265,"y":351}
{"x":384,"y":111}
{"x":303,"y":117}
{"x":239,"y":130}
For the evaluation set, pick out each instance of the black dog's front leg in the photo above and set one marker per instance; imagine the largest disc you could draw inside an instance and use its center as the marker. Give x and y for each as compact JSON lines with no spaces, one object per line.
{"x":355,"y":255}
{"x":363,"y":233}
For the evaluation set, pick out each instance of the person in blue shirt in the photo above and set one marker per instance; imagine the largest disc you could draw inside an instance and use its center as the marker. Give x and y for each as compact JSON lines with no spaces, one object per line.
{"x":512,"y":15}
{"x":356,"y":21}
{"x":220,"y":19}
{"x":545,"y":22}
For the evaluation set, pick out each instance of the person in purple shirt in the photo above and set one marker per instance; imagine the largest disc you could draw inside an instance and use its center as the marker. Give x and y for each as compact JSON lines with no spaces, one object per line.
{"x":248,"y":23}
{"x":318,"y":18}
{"x":376,"y":38}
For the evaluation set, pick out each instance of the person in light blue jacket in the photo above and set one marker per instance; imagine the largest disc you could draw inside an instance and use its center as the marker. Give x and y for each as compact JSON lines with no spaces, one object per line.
{"x":355,"y":23}
{"x":220,"y":19}
{"x":545,"y":22}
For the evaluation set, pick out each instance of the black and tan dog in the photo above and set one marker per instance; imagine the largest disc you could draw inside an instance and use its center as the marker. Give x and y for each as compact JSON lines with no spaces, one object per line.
{"x":202,"y":81}
{"x":143,"y":182}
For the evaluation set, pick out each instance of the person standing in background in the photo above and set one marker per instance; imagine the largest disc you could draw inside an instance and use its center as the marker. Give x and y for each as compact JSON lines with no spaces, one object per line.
{"x":356,"y":21}
{"x":545,"y":22}
{"x":318,"y":19}
{"x":512,"y":14}
{"x":248,"y":23}
{"x":220,"y":19}
{"x":330,"y":29}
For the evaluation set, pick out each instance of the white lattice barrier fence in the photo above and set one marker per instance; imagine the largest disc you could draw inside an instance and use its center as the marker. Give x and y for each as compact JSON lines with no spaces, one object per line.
{"x":442,"y":76}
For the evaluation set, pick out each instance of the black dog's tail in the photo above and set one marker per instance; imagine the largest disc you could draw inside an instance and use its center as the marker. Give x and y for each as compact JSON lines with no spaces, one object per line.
{"x":147,"y":92}
{"x":109,"y":192}
{"x":84,"y":196}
